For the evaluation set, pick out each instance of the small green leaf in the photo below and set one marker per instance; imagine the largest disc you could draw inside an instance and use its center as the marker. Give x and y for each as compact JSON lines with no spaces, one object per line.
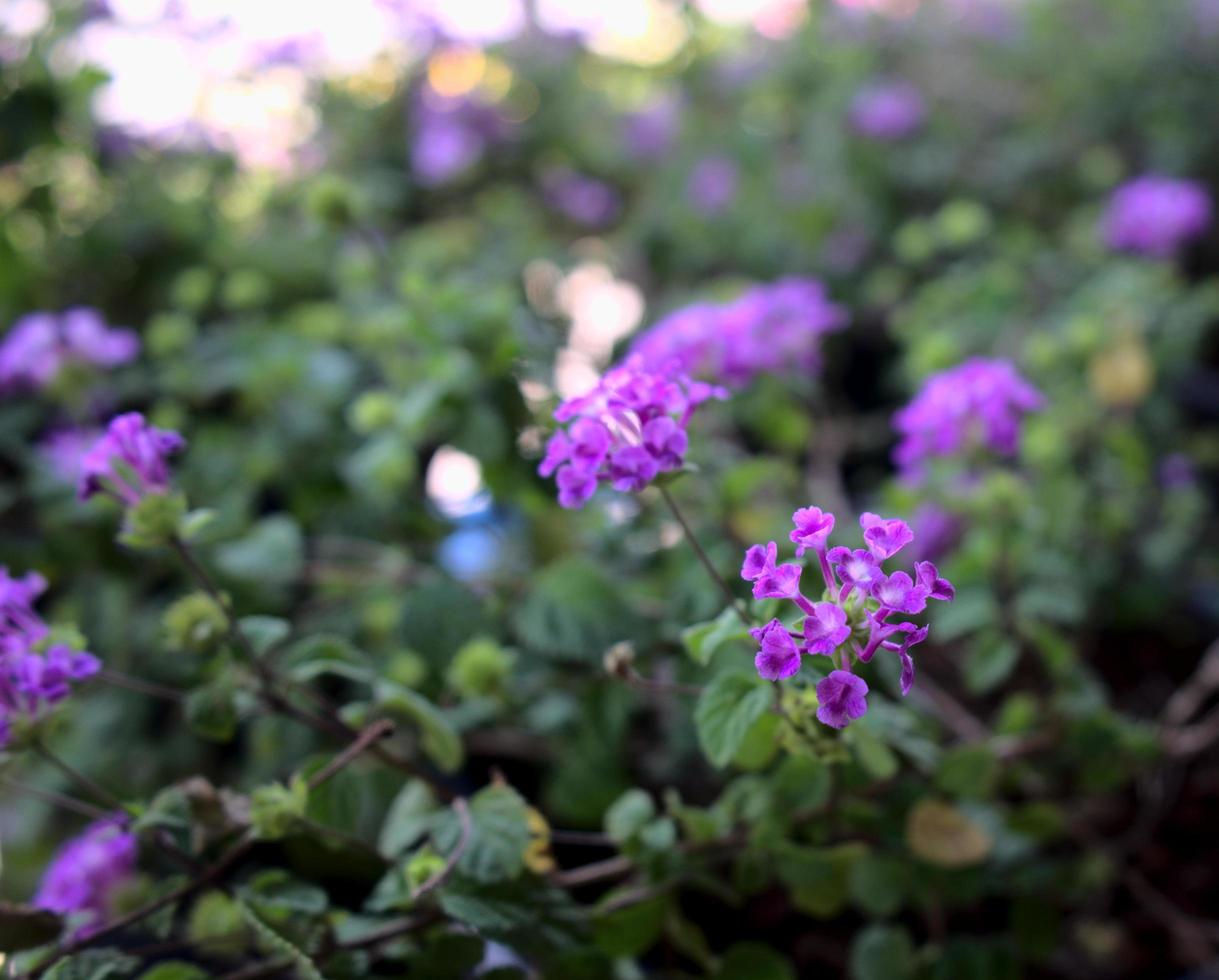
{"x":878,"y":884}
{"x":211,"y":710}
{"x":264,"y":632}
{"x":193,"y":524}
{"x":439,"y":739}
{"x":93,"y":964}
{"x":326,"y":654}
{"x":968,"y":771}
{"x":990,"y":662}
{"x":873,"y":754}
{"x":410,"y":817}
{"x":754,"y":961}
{"x":271,"y":554}
{"x":632,"y":930}
{"x":498,"y":837}
{"x":175,"y":970}
{"x":726,"y":711}
{"x":626,"y":817}
{"x":275,"y":809}
{"x":882,"y":953}
{"x":704,"y":639}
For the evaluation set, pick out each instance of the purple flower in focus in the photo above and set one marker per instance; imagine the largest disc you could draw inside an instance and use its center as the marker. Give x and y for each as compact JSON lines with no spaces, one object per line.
{"x":1155,"y":216}
{"x":130,"y":461}
{"x":86,"y":872}
{"x":712,"y":185}
{"x":842,"y":698}
{"x":778,"y":657}
{"x":889,"y":110}
{"x":584,"y":200}
{"x":772,"y":329}
{"x":629,"y":429}
{"x":40,"y":345}
{"x":857,"y":617}
{"x":977,"y":403}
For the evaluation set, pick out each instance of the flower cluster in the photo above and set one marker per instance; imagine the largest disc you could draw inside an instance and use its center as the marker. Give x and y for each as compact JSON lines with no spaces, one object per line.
{"x":34,"y":672}
{"x":856,"y":614}
{"x":770,"y":329}
{"x":629,"y":429}
{"x":1155,"y":216}
{"x":40,"y":345}
{"x":712,"y":185}
{"x":582,"y":199}
{"x":890,"y":110}
{"x":977,"y":403}
{"x":86,"y":872}
{"x":129,"y":461}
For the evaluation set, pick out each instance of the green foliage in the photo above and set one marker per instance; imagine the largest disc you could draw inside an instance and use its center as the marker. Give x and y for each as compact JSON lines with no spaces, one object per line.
{"x":726,"y":711}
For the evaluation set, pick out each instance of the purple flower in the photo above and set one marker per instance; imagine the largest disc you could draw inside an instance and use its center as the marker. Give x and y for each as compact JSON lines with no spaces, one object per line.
{"x":584,"y":200}
{"x":443,"y":149}
{"x":31,"y":678}
{"x":86,"y":873}
{"x":858,"y":616}
{"x":651,"y":132}
{"x":772,"y":329}
{"x":887,"y":110}
{"x":712,"y":185}
{"x":629,"y":429}
{"x":1177,"y":472}
{"x":825,"y":628}
{"x":884,"y":538}
{"x":937,"y":531}
{"x":842,"y":698}
{"x":63,"y":450}
{"x":40,"y":345}
{"x":1155,"y":216}
{"x":898,"y":593}
{"x":130,"y":461}
{"x":978,"y":403}
{"x":779,"y":657}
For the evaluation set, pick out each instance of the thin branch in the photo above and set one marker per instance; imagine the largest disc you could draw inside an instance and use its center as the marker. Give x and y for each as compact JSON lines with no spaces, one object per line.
{"x":57,"y":799}
{"x":139,"y":686}
{"x":588,"y":874}
{"x":719,"y":580}
{"x":89,"y":785}
{"x":450,"y":864}
{"x":636,"y":679}
{"x":373,"y":733}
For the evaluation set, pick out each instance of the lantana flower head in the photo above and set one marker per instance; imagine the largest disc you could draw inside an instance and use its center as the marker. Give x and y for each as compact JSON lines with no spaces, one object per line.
{"x":887,"y":110}
{"x":980,"y":403}
{"x":40,"y":345}
{"x":35,"y":674}
{"x":86,"y":873}
{"x":768,"y":329}
{"x":129,"y":461}
{"x":858,"y":612}
{"x":1155,"y":216}
{"x":625,"y":432}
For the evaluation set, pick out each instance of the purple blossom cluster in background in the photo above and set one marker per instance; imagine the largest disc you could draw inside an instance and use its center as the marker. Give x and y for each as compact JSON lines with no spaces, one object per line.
{"x":856,"y":615}
{"x":86,"y":872}
{"x":977,"y":404}
{"x":584,"y":200}
{"x":1154,"y":216}
{"x":649,"y":133}
{"x":770,"y":329}
{"x":32,"y":678}
{"x":129,"y":461}
{"x":712,"y":185}
{"x":40,"y":345}
{"x":887,"y":110}
{"x":450,"y":137}
{"x":625,"y":432}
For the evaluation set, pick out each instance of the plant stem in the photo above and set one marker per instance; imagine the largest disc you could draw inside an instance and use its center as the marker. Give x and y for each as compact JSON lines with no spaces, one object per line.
{"x":57,"y":799}
{"x":129,"y":683}
{"x":704,"y":558}
{"x":89,"y":785}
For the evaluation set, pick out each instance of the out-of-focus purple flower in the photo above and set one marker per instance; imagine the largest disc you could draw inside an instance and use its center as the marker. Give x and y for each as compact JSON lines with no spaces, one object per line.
{"x":1177,"y":472}
{"x":584,"y":200}
{"x":130,"y":461}
{"x":778,"y":657}
{"x":443,"y":149}
{"x":769,"y":329}
{"x":628,"y":430}
{"x":712,"y":185}
{"x":858,"y":615}
{"x":936,"y":531}
{"x":842,"y":698}
{"x":887,"y":110}
{"x":40,"y":345}
{"x":978,"y":403}
{"x":64,"y":450}
{"x":650,"y":132}
{"x":31,"y":678}
{"x":1154,"y":216}
{"x":86,"y":873}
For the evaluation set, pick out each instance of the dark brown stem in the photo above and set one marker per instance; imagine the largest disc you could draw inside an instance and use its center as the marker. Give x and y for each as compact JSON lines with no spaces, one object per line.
{"x":90,"y":786}
{"x":363,"y":741}
{"x":57,"y":799}
{"x":719,"y":580}
{"x":125,"y":681}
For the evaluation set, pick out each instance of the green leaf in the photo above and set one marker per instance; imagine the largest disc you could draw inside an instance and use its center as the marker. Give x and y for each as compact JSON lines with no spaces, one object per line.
{"x":449,"y":956}
{"x":275,"y":809}
{"x":878,"y":884}
{"x":726,"y":711}
{"x":971,"y":610}
{"x":818,"y":876}
{"x":410,"y":816}
{"x":93,"y":964}
{"x":276,"y":896}
{"x":760,"y":744}
{"x":704,"y":639}
{"x":968,"y":771}
{"x":574,"y":611}
{"x":499,"y":835}
{"x":989,"y":663}
{"x":439,"y":739}
{"x":527,"y":914}
{"x":23,"y":927}
{"x":877,"y":759}
{"x":193,"y":524}
{"x":264,"y":632}
{"x":802,"y":782}
{"x":480,"y":668}
{"x":754,"y":961}
{"x":632,"y":930}
{"x":882,"y":953}
{"x":272,"y":553}
{"x":326,"y":654}
{"x":175,"y":970}
{"x":211,"y":710}
{"x":626,"y":817}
